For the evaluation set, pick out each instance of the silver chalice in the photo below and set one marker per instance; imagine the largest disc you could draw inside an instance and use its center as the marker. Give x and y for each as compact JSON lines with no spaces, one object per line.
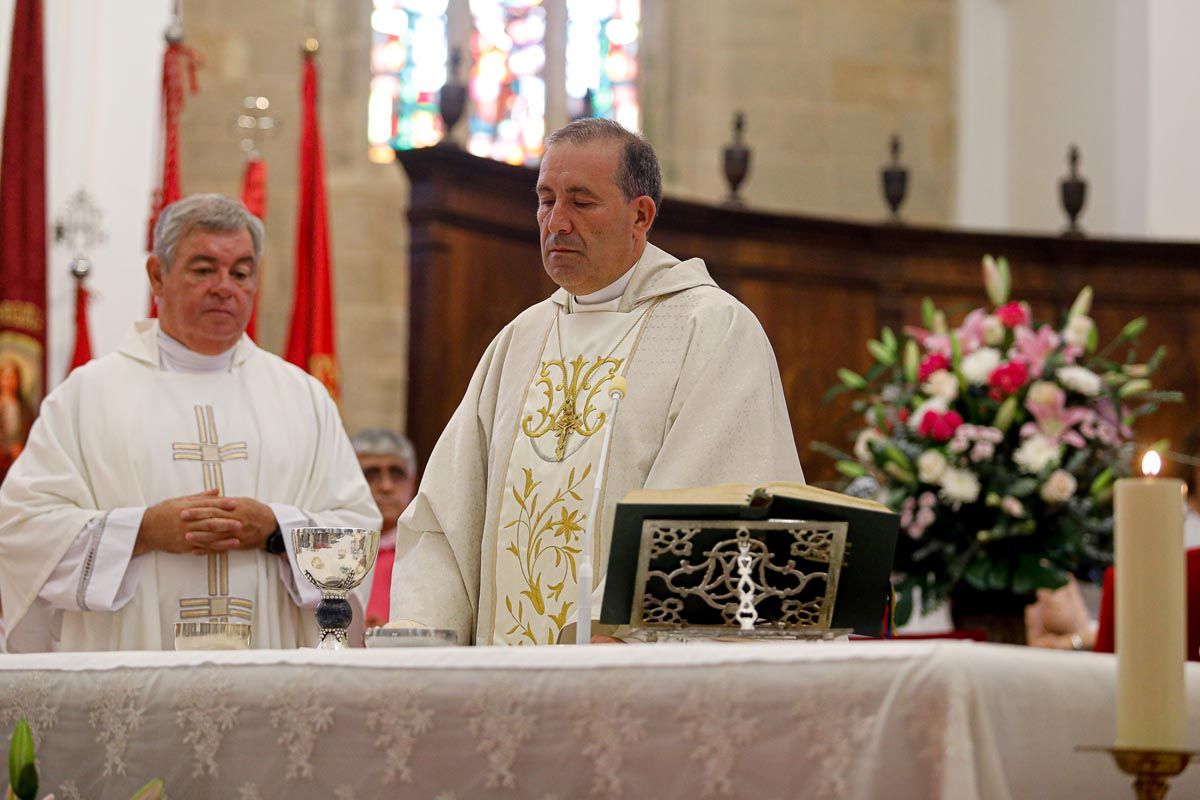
{"x":335,"y":560}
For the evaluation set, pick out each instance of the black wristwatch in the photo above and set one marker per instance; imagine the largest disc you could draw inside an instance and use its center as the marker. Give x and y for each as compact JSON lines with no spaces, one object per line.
{"x":274,"y":543}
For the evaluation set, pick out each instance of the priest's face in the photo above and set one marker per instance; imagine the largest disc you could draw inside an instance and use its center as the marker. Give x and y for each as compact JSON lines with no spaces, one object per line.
{"x":206,"y":294}
{"x":590,"y":234}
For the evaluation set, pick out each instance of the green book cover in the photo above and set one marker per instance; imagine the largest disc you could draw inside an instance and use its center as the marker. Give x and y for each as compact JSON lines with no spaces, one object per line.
{"x":864,"y":584}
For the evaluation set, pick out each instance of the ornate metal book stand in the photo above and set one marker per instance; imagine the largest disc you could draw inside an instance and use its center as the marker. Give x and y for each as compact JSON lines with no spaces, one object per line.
{"x":770,"y":579}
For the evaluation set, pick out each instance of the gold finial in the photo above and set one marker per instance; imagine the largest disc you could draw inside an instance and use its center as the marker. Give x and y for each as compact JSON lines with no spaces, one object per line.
{"x":311,"y":45}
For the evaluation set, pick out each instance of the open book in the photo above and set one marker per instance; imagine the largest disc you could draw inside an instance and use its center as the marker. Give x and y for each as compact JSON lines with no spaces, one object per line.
{"x":740,"y":493}
{"x":863,"y":585}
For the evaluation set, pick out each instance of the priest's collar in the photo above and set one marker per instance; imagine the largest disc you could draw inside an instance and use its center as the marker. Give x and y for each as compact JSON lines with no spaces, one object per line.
{"x":656,"y":274}
{"x":175,"y":356}
{"x":146,"y":343}
{"x":611,"y":292}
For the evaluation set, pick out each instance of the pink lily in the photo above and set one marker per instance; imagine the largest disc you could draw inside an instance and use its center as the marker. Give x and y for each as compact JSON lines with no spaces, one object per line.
{"x":1057,"y":422}
{"x":932,"y":342}
{"x":1104,"y":424}
{"x":1033,"y":348}
{"x":970,"y":333}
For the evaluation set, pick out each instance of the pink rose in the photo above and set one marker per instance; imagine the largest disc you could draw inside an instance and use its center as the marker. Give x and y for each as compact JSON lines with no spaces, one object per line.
{"x":932,"y":364}
{"x":1008,"y":379}
{"x":940,"y":427}
{"x":1012,"y":314}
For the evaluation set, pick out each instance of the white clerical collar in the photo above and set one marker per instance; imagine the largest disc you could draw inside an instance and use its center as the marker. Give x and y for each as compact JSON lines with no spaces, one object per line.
{"x":175,"y":356}
{"x":609,"y":293}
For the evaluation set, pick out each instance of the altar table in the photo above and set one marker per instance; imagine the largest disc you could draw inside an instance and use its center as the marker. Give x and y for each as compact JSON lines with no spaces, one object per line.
{"x":895,"y":720}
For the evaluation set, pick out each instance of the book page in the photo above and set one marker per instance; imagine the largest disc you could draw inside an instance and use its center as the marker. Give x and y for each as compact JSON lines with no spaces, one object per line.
{"x":739,"y":493}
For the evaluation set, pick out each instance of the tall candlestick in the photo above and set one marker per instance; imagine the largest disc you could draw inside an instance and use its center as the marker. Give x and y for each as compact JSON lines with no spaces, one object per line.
{"x":1150,"y":612}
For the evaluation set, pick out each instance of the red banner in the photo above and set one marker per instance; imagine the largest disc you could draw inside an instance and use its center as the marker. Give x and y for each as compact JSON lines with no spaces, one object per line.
{"x":22,"y":235}
{"x":83,"y":340}
{"x":254,"y":197}
{"x":310,"y":338}
{"x":178,"y":62}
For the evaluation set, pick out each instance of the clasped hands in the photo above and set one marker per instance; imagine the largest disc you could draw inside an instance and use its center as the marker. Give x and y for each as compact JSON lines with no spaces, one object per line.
{"x":204,"y":523}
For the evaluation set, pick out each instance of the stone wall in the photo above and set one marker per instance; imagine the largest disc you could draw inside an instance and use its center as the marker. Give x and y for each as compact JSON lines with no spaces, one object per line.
{"x":823,"y":84}
{"x":254,"y":49}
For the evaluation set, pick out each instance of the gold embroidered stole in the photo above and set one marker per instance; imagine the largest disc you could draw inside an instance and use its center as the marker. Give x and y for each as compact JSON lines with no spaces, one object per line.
{"x":552,"y":472}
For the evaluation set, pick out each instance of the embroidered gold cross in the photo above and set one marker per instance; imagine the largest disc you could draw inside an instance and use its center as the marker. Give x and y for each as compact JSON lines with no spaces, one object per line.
{"x":211,"y":454}
{"x":574,"y":381}
{"x":208,"y":451}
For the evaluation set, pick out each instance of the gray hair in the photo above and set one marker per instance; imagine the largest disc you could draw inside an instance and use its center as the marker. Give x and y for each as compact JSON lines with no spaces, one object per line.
{"x":207,"y":212}
{"x":638,"y":172}
{"x":384,"y":442}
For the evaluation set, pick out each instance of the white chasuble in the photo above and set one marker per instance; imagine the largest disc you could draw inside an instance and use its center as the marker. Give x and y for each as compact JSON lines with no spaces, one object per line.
{"x":201,"y":435}
{"x":504,"y":497}
{"x":551,"y":475}
{"x":121,"y":435}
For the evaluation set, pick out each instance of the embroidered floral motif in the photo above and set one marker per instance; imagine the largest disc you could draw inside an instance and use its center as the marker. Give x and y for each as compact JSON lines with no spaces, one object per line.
{"x":608,"y":727}
{"x":298,"y":712}
{"x":498,"y":719}
{"x":398,"y":721}
{"x":566,"y":383}
{"x":717,"y":754}
{"x":248,"y":791}
{"x":117,"y":715}
{"x":206,"y":715}
{"x":28,"y":698}
{"x":543,"y":530}
{"x":937,"y":727}
{"x":344,"y":792}
{"x":835,"y":727}
{"x":69,"y":791}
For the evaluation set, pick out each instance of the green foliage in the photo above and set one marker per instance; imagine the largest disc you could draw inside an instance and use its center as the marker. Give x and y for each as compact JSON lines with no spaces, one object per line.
{"x":22,"y":766}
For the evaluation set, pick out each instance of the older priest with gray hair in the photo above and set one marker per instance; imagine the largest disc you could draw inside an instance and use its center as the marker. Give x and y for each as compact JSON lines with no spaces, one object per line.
{"x":161,"y":481}
{"x":508,"y":488}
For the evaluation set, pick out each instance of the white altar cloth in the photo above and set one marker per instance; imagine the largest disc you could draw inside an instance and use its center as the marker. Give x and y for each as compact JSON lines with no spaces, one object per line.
{"x":892,"y":720}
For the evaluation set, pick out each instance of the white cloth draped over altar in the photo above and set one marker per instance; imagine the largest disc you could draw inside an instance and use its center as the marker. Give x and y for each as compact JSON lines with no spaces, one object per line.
{"x":845,"y":720}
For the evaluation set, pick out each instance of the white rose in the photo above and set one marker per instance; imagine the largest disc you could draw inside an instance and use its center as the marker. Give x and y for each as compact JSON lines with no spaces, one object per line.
{"x":931,"y":465}
{"x":1078,"y":330}
{"x":978,"y":366}
{"x":1059,"y":487}
{"x":959,"y":486}
{"x":862,"y":445}
{"x":1080,"y":379}
{"x":941,"y":384}
{"x":1035,"y":454}
{"x":937,"y":404}
{"x":993,"y":330}
{"x":1043,"y":393}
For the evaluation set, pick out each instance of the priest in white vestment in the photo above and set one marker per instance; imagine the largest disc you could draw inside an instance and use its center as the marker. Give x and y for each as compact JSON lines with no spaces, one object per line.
{"x":161,"y":482}
{"x":507,"y":490}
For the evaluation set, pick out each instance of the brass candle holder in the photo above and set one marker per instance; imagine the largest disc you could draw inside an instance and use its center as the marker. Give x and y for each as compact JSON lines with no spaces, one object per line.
{"x":1151,"y":768}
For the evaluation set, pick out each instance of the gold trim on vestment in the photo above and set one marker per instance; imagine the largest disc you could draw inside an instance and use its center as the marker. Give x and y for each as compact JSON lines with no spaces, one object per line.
{"x":211,"y":454}
{"x":499,"y":501}
{"x":550,"y":519}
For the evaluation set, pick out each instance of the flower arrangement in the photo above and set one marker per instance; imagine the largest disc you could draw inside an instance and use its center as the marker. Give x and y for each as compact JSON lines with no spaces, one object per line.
{"x":998,"y":442}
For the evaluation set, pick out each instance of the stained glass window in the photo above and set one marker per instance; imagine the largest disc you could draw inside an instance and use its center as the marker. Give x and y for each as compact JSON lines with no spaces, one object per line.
{"x":507,"y":90}
{"x":602,"y":46}
{"x":506,"y":83}
{"x":408,"y":68}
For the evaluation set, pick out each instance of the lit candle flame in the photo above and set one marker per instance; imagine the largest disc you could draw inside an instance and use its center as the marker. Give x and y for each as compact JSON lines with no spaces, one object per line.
{"x":1151,"y":463}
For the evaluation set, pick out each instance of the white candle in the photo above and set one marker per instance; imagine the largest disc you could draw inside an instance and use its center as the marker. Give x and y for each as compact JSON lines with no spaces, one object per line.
{"x":1151,"y":631}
